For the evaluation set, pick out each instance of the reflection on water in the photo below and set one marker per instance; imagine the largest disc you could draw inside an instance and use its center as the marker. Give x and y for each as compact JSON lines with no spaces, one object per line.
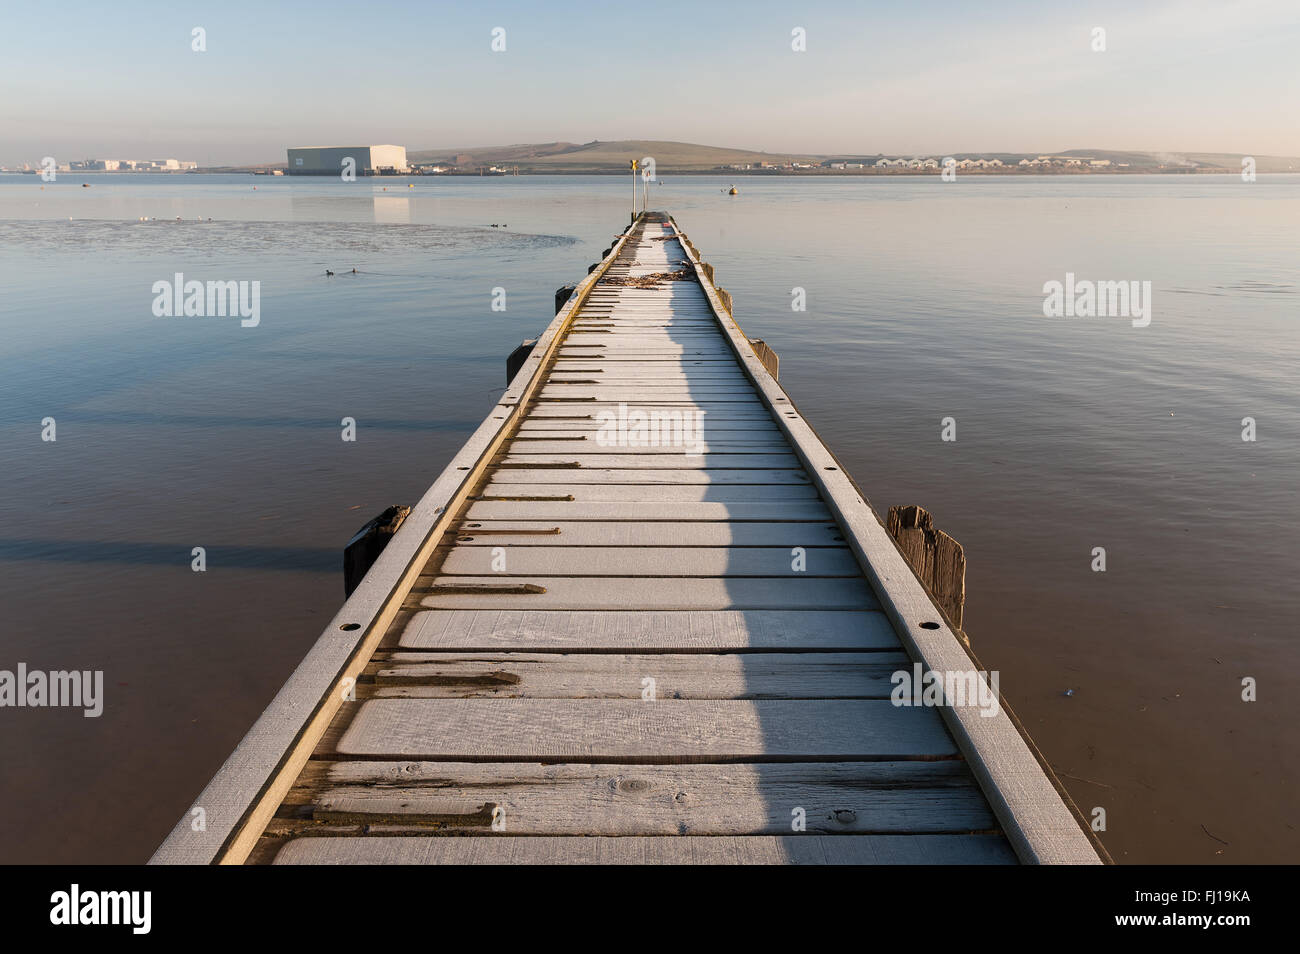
{"x":391,"y":233}
{"x":392,"y":210}
{"x":924,"y":301}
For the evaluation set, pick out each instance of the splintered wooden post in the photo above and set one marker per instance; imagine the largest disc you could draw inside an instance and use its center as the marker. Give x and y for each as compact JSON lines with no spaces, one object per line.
{"x":936,"y":558}
{"x":765,"y":354}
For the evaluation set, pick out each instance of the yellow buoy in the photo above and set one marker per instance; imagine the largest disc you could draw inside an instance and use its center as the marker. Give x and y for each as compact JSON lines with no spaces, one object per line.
{"x":733,"y":191}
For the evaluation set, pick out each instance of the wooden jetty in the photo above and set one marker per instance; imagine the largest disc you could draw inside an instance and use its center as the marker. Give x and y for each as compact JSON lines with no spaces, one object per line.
{"x":611,"y":633}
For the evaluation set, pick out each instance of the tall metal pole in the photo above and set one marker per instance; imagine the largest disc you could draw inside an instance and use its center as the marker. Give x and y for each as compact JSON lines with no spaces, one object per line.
{"x":633,"y":190}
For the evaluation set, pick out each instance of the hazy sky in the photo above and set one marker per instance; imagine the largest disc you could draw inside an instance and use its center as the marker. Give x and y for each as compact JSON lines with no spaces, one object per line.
{"x":119,"y":79}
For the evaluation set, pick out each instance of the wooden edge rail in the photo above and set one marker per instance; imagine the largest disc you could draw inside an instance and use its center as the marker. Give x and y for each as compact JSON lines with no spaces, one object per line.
{"x":228,"y":817}
{"x":1036,"y":820}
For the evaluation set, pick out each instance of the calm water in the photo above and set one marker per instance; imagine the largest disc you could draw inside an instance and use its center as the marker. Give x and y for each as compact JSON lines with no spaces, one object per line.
{"x":924,"y":301}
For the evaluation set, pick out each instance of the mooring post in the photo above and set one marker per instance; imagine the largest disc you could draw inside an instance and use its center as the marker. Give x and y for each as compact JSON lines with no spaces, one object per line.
{"x":562,"y":295}
{"x":516,"y":359}
{"x":365,"y":546}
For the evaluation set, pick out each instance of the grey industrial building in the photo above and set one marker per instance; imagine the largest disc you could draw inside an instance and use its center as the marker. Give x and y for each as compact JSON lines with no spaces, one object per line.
{"x":329,"y":160}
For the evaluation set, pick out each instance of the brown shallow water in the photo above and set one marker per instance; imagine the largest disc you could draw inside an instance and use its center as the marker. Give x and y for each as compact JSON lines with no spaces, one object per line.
{"x":923,"y":303}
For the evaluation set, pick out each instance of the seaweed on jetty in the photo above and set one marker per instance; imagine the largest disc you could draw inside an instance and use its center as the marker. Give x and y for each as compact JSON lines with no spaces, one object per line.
{"x":653,"y":280}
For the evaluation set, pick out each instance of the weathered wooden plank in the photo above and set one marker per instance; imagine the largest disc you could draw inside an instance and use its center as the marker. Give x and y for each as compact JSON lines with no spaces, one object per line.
{"x":650,"y":323}
{"x":625,"y":318}
{"x":689,"y":445}
{"x":579,"y":435}
{"x":766,"y":510}
{"x":607,"y":330}
{"x":636,"y":419}
{"x":653,"y":593}
{"x":516,"y":675}
{"x":723,"y":850}
{"x":649,"y":533}
{"x":650,"y":384}
{"x":631,"y":393}
{"x":650,"y":331}
{"x":592,"y":427}
{"x":661,"y":379}
{"x":678,"y":365}
{"x":741,"y":799}
{"x":651,"y":461}
{"x":578,"y":476}
{"x":648,"y":631}
{"x":652,"y":493}
{"x":602,"y":351}
{"x":664,"y":732}
{"x":644,"y":351}
{"x":541,"y":561}
{"x":615,"y":330}
{"x":713,"y":411}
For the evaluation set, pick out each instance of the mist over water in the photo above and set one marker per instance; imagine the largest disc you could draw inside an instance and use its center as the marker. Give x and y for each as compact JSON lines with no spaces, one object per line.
{"x":924,"y":301}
